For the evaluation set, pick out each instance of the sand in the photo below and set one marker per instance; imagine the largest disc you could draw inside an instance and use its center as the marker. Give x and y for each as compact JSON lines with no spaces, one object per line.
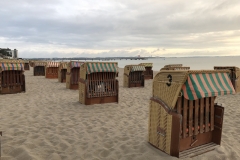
{"x":48,"y":123}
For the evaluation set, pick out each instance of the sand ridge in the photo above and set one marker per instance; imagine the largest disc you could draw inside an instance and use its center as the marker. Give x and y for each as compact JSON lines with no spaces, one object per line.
{"x":48,"y":122}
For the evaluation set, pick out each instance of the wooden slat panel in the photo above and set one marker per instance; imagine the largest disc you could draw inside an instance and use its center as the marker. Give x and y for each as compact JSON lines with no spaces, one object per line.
{"x":212,"y":114}
{"x":196,"y":117}
{"x":185,"y":106}
{"x":190,"y":120}
{"x":201,"y":114}
{"x":207,"y":115}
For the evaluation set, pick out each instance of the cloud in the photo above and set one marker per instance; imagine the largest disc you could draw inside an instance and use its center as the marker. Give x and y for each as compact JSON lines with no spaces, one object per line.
{"x":93,"y":27}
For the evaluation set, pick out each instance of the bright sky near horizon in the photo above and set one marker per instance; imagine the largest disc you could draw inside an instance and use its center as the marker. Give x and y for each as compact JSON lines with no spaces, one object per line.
{"x":73,"y":28}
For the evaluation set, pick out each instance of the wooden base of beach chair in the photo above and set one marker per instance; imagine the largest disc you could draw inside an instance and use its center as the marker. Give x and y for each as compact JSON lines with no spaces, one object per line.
{"x":135,"y":85}
{"x":74,"y":86}
{"x":51,"y":76}
{"x":193,"y":152}
{"x":100,"y":100}
{"x":146,"y":77}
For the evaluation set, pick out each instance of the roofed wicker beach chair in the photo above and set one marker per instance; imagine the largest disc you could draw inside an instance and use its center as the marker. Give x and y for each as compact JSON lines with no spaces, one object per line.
{"x":148,"y":73}
{"x":234,"y":75}
{"x":133,"y":76}
{"x":12,"y":78}
{"x":173,"y":65}
{"x":26,"y":66}
{"x":184,"y":120}
{"x":39,"y":68}
{"x":98,"y":83}
{"x":72,"y":76}
{"x":31,"y":63}
{"x":51,"y":70}
{"x":62,"y":71}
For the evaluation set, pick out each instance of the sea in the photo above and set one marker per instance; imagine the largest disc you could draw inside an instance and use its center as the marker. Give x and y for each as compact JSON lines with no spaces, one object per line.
{"x":195,"y":63}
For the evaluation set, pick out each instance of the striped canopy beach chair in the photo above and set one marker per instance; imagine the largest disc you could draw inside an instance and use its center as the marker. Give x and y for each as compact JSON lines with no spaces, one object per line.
{"x":62,"y":71}
{"x":72,"y":76}
{"x":234,"y":75}
{"x":51,"y":70}
{"x":39,"y":68}
{"x":26,"y":66}
{"x":98,"y":83}
{"x":175,"y":67}
{"x":148,"y":73}
{"x":12,"y":78}
{"x":183,"y":118}
{"x":133,"y":76}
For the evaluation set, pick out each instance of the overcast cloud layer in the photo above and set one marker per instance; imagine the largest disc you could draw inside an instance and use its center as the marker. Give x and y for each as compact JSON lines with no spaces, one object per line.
{"x":70,"y":28}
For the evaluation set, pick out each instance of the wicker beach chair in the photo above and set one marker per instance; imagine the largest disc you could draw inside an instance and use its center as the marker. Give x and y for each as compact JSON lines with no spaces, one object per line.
{"x":183,"y":119}
{"x":31,"y":63}
{"x":133,"y":76}
{"x":173,"y":65}
{"x":51,"y":70}
{"x":26,"y":66}
{"x":148,"y":73}
{"x":72,"y":76}
{"x":39,"y":68}
{"x":62,"y":71}
{"x":12,"y":78}
{"x":175,"y":68}
{"x":98,"y":83}
{"x":234,"y":75}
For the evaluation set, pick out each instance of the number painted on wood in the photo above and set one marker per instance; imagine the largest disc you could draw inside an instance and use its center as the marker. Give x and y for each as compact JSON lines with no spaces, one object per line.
{"x":169,"y":80}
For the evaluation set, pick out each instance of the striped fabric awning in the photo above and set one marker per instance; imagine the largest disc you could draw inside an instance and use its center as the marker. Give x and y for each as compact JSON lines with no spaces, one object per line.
{"x":52,"y":64}
{"x":147,"y":64}
{"x":76,"y":64}
{"x":11,"y":66}
{"x":63,"y":65}
{"x":101,"y":67}
{"x":137,"y":68}
{"x":207,"y":85}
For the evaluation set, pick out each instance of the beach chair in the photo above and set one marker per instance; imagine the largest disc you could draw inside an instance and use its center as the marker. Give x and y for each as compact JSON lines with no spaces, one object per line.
{"x":26,"y":65}
{"x":31,"y":63}
{"x":173,"y":65}
{"x":51,"y":70}
{"x":148,"y":73}
{"x":234,"y":75}
{"x":62,"y":71}
{"x":12,"y":78}
{"x":175,"y":68}
{"x":72,"y":76}
{"x":183,"y":118}
{"x":133,"y":76}
{"x":98,"y":83}
{"x":39,"y":68}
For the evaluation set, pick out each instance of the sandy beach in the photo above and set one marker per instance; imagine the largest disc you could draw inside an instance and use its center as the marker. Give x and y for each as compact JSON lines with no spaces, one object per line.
{"x":48,"y":123}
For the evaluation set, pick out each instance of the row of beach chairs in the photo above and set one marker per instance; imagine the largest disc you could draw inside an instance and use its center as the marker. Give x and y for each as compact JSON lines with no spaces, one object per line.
{"x":184,"y":119}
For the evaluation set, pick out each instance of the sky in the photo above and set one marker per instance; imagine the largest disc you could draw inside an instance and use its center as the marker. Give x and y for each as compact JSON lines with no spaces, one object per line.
{"x":93,"y":28}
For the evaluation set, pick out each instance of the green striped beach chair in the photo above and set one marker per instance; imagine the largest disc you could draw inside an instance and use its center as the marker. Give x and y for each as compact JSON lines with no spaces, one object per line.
{"x":98,"y":83}
{"x":184,"y":120}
